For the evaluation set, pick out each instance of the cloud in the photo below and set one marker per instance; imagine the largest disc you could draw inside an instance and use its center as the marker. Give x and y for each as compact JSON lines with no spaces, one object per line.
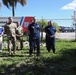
{"x":70,"y":6}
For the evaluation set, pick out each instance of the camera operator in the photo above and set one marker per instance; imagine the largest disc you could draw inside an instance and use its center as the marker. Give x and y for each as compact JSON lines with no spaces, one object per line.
{"x":34,"y":37}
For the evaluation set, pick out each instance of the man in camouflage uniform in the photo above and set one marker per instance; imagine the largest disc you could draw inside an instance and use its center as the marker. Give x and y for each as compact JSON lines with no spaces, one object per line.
{"x":19,"y":34}
{"x":10,"y":30}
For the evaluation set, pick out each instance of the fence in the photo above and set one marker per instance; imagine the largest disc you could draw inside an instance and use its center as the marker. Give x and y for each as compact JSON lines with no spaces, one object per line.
{"x":60,"y":22}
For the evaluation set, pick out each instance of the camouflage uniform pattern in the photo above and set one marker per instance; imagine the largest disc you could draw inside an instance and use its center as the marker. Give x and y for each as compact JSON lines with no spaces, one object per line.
{"x":10,"y":30}
{"x":19,"y":33}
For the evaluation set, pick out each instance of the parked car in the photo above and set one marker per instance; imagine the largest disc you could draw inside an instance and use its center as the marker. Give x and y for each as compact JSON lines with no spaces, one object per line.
{"x":66,"y":29}
{"x":69,"y":29}
{"x":62,"y":29}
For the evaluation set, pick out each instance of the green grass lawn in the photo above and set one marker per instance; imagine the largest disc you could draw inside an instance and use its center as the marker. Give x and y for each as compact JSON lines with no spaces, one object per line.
{"x":61,"y":63}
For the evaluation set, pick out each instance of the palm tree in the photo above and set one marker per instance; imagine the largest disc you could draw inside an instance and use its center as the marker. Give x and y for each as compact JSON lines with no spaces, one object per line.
{"x":0,"y":5}
{"x":13,"y":3}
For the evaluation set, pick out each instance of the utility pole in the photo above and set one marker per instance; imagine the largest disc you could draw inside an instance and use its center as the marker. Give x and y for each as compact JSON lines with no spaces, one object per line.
{"x":74,"y":22}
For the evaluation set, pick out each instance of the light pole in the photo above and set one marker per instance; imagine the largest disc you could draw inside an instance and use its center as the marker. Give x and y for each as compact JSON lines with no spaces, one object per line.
{"x":74,"y":22}
{"x":75,"y":31}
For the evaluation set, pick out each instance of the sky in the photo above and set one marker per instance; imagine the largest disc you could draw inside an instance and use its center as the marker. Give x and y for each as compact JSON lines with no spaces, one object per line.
{"x":47,"y":9}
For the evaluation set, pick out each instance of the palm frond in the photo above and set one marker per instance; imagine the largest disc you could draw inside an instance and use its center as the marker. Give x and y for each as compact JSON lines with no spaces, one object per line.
{"x":9,"y":3}
{"x":22,"y":2}
{"x":13,"y":3}
{"x":5,"y":2}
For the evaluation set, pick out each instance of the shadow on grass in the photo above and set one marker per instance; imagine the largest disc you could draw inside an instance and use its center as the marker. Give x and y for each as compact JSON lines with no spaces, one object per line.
{"x":13,"y":55}
{"x":62,"y":63}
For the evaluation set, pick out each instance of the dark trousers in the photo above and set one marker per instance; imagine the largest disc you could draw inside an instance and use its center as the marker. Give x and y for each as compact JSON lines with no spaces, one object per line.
{"x":21,"y":41}
{"x":34,"y":44}
{"x":50,"y":44}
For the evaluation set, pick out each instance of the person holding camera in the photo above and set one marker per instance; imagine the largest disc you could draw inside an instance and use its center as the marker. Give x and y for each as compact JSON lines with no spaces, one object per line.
{"x":34,"y":37}
{"x":50,"y":31}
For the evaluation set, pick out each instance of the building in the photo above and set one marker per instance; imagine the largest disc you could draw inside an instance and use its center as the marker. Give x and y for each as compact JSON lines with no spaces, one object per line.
{"x":4,"y":20}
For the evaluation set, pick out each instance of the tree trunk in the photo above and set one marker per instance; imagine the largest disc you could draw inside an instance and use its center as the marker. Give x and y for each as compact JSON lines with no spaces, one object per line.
{"x":13,"y":12}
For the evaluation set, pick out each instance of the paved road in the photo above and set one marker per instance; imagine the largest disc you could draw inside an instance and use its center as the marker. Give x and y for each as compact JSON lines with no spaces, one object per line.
{"x":64,"y":35}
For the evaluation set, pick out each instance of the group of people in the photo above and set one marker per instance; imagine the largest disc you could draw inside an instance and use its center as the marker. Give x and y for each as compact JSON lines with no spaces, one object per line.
{"x":14,"y":32}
